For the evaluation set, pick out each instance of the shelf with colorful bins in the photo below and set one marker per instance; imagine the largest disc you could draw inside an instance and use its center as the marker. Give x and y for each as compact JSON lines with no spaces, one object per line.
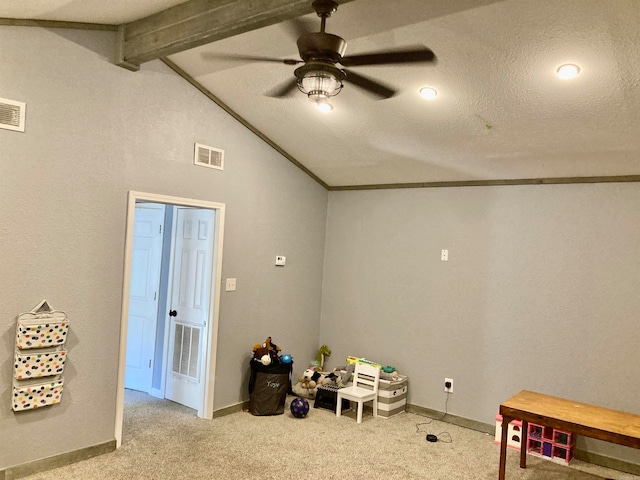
{"x":551,"y":444}
{"x":39,"y":357}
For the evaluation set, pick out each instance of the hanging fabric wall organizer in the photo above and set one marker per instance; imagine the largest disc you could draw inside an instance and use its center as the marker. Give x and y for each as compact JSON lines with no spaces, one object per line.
{"x":40,"y":357}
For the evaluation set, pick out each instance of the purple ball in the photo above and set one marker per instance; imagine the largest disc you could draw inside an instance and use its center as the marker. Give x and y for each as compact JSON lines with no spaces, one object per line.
{"x":299,"y":407}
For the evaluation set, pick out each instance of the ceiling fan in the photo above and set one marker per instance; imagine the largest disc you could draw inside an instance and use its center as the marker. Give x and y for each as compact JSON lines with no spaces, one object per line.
{"x":320,"y":77}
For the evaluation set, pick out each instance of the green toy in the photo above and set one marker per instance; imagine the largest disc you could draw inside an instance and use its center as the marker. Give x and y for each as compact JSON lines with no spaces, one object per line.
{"x":318,"y":363}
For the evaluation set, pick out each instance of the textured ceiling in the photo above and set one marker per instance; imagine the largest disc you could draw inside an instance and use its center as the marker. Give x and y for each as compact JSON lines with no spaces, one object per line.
{"x":501,"y":111}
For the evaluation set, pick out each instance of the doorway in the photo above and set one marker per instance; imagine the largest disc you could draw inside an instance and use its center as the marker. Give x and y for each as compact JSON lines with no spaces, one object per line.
{"x":188,"y":314}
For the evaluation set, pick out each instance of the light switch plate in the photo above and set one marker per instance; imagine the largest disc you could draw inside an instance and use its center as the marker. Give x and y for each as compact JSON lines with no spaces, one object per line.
{"x":280,"y":260}
{"x":231,"y":285}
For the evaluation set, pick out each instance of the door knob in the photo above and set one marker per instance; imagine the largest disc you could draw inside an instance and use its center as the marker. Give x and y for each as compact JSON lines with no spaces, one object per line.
{"x":173,"y":313}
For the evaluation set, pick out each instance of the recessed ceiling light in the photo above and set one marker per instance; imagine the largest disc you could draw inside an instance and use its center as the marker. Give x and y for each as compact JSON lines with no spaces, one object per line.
{"x":568,"y":71}
{"x":428,"y":93}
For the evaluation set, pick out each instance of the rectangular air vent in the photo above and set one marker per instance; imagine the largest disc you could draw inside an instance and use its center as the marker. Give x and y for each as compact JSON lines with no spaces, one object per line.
{"x":186,"y":351}
{"x":12,"y":114}
{"x":205,"y":156}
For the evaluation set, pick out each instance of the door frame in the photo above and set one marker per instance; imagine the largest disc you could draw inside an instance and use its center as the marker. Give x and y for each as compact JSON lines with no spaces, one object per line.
{"x":214,"y":294}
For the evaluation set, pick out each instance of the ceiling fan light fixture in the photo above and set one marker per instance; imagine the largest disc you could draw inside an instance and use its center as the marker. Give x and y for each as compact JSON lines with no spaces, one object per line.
{"x":568,"y":71}
{"x":428,"y":93}
{"x":319,"y":81}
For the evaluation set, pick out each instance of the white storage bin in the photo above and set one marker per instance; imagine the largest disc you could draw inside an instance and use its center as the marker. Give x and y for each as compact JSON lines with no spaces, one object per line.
{"x":392,"y":396}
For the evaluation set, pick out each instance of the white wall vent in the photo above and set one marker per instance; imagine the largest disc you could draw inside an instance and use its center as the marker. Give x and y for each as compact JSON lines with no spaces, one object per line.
{"x":12,"y":114}
{"x":186,"y":351}
{"x":205,"y":156}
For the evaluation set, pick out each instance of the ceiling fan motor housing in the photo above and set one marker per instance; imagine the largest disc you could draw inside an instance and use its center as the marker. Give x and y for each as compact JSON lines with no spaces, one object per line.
{"x":321,"y":46}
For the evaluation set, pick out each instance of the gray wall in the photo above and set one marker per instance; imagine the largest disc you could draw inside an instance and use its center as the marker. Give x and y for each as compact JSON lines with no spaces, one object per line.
{"x":540,"y":292}
{"x":94,"y":132}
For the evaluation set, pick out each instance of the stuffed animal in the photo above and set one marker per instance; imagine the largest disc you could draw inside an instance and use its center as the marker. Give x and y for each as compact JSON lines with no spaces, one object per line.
{"x":306,"y":386}
{"x":320,"y":378}
{"x":307,"y":379}
{"x":344,"y":372}
{"x":267,"y":352}
{"x":318,"y":363}
{"x":261,"y":354}
{"x":310,"y":380}
{"x":272,"y":346}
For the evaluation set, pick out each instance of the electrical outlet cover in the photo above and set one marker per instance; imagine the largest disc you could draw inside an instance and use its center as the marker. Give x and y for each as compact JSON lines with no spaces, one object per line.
{"x":450,"y":382}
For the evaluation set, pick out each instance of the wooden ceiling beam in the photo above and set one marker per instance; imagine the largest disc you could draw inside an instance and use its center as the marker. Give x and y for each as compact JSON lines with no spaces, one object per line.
{"x":198,"y":22}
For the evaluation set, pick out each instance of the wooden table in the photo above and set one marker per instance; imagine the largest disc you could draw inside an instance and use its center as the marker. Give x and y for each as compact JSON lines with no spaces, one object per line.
{"x":579,"y":418}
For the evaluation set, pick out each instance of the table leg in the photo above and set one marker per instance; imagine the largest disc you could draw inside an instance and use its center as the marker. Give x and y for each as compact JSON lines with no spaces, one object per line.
{"x":503,"y":446}
{"x":524,"y":434}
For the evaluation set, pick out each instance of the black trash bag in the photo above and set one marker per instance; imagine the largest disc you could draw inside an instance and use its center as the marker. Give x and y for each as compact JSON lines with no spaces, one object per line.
{"x":268,"y":388}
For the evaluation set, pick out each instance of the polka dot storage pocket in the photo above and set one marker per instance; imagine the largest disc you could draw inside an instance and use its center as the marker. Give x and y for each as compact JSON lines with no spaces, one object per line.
{"x":40,"y":331}
{"x":28,"y":397}
{"x":35,"y":364}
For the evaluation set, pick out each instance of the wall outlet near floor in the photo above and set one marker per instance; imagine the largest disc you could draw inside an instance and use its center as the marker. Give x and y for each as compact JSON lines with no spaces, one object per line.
{"x":448,"y":385}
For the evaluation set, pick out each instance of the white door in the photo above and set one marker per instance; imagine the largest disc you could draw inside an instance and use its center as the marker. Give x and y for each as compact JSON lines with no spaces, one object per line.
{"x":143,"y":296}
{"x":189,"y":306}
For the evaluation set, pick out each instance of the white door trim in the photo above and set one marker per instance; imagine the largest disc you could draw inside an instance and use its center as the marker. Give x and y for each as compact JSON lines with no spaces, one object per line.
{"x":214,"y":308}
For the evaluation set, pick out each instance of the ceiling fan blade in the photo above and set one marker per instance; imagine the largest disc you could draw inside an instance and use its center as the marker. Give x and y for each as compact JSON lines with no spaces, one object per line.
{"x":414,"y":55}
{"x":284,"y":89}
{"x":247,"y":58}
{"x":369,"y":85}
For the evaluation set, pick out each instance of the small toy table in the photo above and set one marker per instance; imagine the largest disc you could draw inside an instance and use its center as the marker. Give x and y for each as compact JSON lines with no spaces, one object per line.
{"x":327,"y":396}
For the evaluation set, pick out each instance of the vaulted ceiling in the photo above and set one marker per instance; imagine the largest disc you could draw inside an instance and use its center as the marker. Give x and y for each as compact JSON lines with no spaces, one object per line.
{"x":501,"y":114}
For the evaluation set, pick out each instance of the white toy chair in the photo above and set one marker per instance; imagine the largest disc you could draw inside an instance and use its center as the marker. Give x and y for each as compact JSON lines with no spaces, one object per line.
{"x":364,"y":389}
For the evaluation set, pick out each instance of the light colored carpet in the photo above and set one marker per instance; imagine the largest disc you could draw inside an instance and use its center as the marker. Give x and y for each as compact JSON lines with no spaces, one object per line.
{"x":164,"y":440}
